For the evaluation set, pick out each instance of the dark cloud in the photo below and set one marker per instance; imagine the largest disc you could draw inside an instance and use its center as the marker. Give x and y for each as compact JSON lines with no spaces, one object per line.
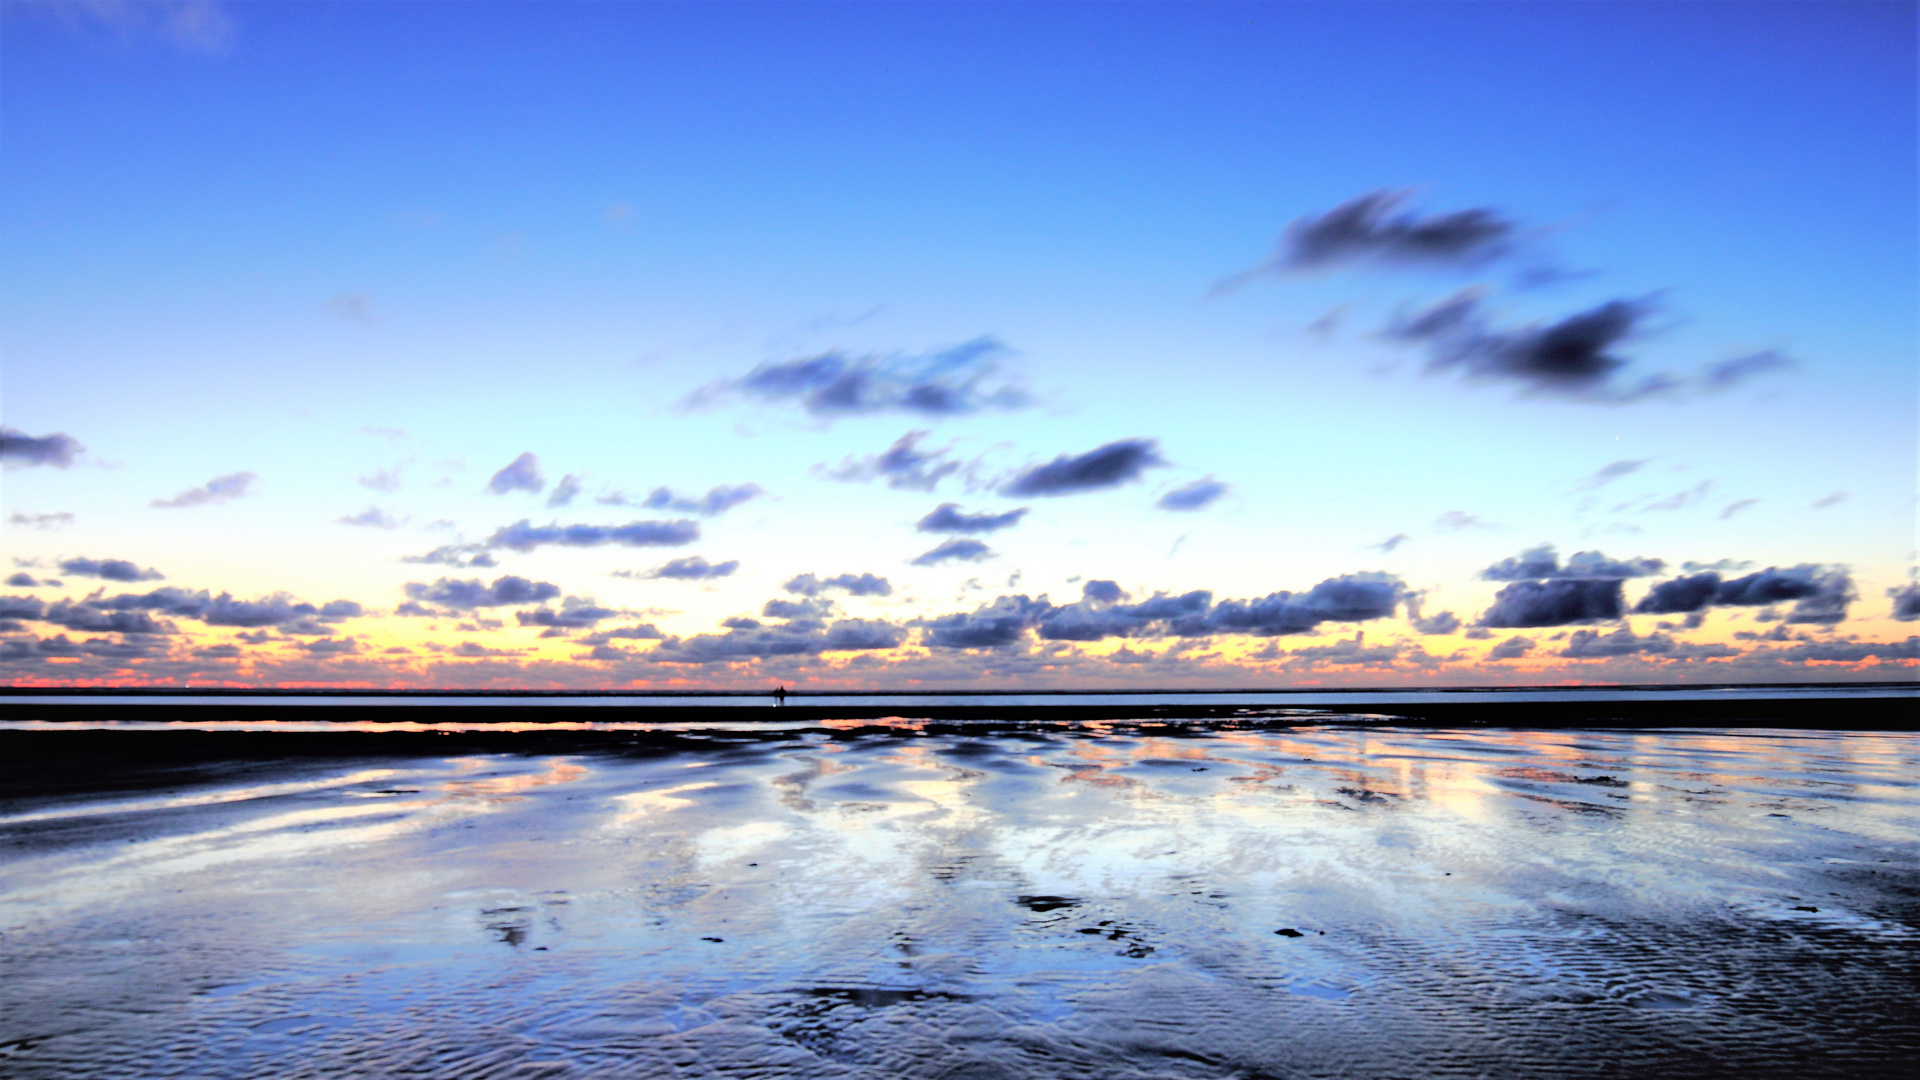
{"x":947,"y":518}
{"x":1906,"y":602}
{"x":1372,"y":228}
{"x":1575,"y":357}
{"x":692,"y":568}
{"x":1694,"y":592}
{"x":1195,"y":496}
{"x":522,"y":535}
{"x":717,"y":501}
{"x":1511,"y":649}
{"x":854,"y":584}
{"x":969,"y":550}
{"x":520,"y":474}
{"x":23,"y":580}
{"x":1820,"y":595}
{"x":1000,"y":623}
{"x":21,"y":450}
{"x":215,"y":491}
{"x":22,"y":607}
{"x":372,"y":517}
{"x":1542,"y":562}
{"x":1107,"y":466}
{"x":1353,"y":650}
{"x":812,"y":609}
{"x":1445,"y":622}
{"x":1350,"y":598}
{"x":1590,"y":645}
{"x":454,"y":595}
{"x":564,"y":491}
{"x":644,"y":631}
{"x":1103,"y":591}
{"x":575,"y":613}
{"x":1386,"y":546}
{"x":1556,"y":602}
{"x":903,"y":465}
{"x":56,"y":520}
{"x":331,"y":647}
{"x":109,"y":570}
{"x":949,"y":382}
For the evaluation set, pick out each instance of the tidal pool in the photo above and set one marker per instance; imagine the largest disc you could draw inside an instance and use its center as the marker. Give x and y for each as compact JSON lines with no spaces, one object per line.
{"x":982,"y":901}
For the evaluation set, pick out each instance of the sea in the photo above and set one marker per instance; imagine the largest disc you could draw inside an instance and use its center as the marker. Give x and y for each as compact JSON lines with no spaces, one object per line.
{"x":1366,"y":884}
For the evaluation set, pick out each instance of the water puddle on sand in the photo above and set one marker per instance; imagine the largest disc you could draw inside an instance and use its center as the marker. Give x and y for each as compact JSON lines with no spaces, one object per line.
{"x":1121,"y":901}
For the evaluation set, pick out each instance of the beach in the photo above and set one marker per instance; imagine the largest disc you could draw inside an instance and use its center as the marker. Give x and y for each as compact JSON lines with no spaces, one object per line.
{"x":876,"y":898}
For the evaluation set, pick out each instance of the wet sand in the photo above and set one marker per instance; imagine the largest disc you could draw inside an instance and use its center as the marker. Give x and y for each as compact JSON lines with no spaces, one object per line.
{"x":860,"y":899}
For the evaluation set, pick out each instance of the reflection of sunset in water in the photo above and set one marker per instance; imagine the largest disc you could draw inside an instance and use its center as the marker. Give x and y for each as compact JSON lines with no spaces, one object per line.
{"x":912,"y":898}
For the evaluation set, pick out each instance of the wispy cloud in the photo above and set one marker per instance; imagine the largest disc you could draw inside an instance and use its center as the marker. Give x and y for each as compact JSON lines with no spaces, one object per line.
{"x":218,"y":490}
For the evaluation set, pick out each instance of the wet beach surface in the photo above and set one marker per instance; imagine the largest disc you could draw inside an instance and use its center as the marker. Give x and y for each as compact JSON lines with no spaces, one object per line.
{"x":864,"y":899}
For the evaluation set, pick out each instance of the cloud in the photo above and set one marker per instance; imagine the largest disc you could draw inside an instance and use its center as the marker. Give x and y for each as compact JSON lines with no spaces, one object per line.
{"x":1834,"y":499}
{"x":806,"y":634}
{"x":1556,"y":602}
{"x":193,"y":26}
{"x":1575,"y":357}
{"x":949,"y":382}
{"x":520,"y":474}
{"x":372,"y":517}
{"x":522,"y":535}
{"x":692,"y":568}
{"x":1353,"y":650}
{"x":644,"y":631}
{"x":1607,"y":474}
{"x":109,"y":570}
{"x":1103,"y":591}
{"x":454,"y":555}
{"x":1444,"y":623}
{"x":716,"y":501}
{"x":1906,"y":602}
{"x":21,"y":450}
{"x":1590,"y":645}
{"x":947,"y":518}
{"x":575,"y":613}
{"x":1680,"y":500}
{"x":854,"y":584}
{"x":1735,"y":507}
{"x":216,"y":491}
{"x":1106,"y":466}
{"x":133,"y":613}
{"x":1366,"y":230}
{"x":1820,"y":594}
{"x":1729,"y":374}
{"x":1543,"y":562}
{"x":24,"y":580}
{"x":1511,"y":649}
{"x":57,"y":520}
{"x":564,"y":491}
{"x":1386,"y":546}
{"x":453,"y":595}
{"x":353,"y":307}
{"x":382,"y":479}
{"x":1005,"y":621}
{"x":904,"y":466}
{"x":968,"y":550}
{"x":1195,"y":496}
{"x":1456,"y":520}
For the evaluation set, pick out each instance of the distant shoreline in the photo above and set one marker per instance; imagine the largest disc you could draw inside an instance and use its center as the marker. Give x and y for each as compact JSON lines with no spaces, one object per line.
{"x":1824,"y":705}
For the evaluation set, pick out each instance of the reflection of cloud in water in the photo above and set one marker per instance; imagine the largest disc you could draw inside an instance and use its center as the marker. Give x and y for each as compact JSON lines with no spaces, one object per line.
{"x":866,"y":901}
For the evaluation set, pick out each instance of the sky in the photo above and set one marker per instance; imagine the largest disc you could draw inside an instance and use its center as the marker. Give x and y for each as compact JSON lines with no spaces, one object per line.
{"x":895,"y":346}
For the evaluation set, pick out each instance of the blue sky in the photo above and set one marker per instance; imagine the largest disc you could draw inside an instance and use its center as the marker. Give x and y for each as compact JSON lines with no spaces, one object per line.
{"x":370,"y":254}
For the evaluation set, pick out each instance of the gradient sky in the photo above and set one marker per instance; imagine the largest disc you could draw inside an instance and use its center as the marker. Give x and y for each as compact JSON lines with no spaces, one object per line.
{"x":1324,"y":308}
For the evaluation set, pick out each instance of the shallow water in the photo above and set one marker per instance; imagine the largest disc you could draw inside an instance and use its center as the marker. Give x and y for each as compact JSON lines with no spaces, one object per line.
{"x":1092,"y":901}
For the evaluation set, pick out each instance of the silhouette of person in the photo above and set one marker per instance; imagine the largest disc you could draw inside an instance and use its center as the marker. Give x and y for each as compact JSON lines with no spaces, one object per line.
{"x":779,"y":696}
